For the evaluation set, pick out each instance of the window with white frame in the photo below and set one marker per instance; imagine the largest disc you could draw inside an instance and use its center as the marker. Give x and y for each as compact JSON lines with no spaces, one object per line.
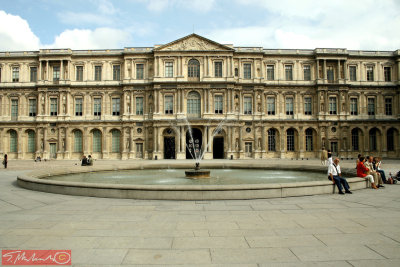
{"x":270,"y":72}
{"x":307,"y":106}
{"x":371,"y":106}
{"x":31,"y":142}
{"x":56,"y":73}
{"x":116,"y":72}
{"x":139,"y":71}
{"x":218,"y":103}
{"x":289,"y":105}
{"x":309,"y":140}
{"x":32,"y":107}
{"x":271,"y":105}
{"x":13,"y":141}
{"x":248,"y":105}
{"x":115,"y":141}
{"x":96,"y":141}
{"x":14,"y":108}
{"x":353,"y":106}
{"x":247,"y":71}
{"x":97,"y":73}
{"x":370,"y":73}
{"x":290,"y":139}
{"x":78,"y":106}
{"x":353,"y":73}
{"x":271,"y":140}
{"x":139,"y":105}
{"x":332,"y":106}
{"x":307,"y":72}
{"x":330,"y":73}
{"x":388,"y":106}
{"x":97,"y":106}
{"x":289,"y":72}
{"x":79,"y":73}
{"x":78,"y":142}
{"x":33,"y":73}
{"x":116,"y":107}
{"x":53,"y":106}
{"x":169,"y":104}
{"x":218,"y":68}
{"x":169,"y":69}
{"x":15,"y":74}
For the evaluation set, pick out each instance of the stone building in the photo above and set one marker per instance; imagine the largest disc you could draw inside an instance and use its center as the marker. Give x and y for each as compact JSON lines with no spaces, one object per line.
{"x":244,"y":102}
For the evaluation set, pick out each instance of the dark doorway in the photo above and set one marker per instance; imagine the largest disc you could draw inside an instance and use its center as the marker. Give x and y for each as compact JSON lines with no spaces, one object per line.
{"x":218,"y":148}
{"x":193,"y":145}
{"x":169,"y":147}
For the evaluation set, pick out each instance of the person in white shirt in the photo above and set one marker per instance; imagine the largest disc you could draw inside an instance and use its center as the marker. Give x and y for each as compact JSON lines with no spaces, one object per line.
{"x":335,"y":175}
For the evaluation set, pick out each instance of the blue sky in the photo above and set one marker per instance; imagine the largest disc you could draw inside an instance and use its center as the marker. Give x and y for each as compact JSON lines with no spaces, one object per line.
{"x":96,"y":24}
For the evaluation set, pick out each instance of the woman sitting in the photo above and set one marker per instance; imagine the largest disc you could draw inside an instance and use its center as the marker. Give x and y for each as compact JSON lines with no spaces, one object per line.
{"x":363,"y":172}
{"x":378,"y":166}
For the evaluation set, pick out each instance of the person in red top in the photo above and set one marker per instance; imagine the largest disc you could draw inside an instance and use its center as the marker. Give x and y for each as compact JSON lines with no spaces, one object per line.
{"x":363,"y":172}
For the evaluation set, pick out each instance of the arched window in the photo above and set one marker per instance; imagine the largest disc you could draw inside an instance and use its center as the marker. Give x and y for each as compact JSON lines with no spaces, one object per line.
{"x":78,"y":143}
{"x":290,"y":139}
{"x":309,"y":139}
{"x":96,"y":141}
{"x":271,"y":140}
{"x":193,"y":104}
{"x":116,"y":138}
{"x":13,"y":141}
{"x":355,"y":139}
{"x":372,"y":140}
{"x":31,"y":142}
{"x":390,"y":139}
{"x":194,"y":68}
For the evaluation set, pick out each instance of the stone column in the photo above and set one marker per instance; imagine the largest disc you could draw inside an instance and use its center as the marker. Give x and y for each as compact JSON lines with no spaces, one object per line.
{"x":263,"y":138}
{"x":240,"y":139}
{"x":62,"y":70}
{"x":317,"y":73}
{"x":40,"y":71}
{"x":208,"y":100}
{"x":47,"y":70}
{"x":345,"y":70}
{"x":228,"y":136}
{"x":324,"y":70}
{"x":338,"y":69}
{"x":38,"y":139}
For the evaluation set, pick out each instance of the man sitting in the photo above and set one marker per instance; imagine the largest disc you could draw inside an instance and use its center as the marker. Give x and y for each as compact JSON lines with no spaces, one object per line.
{"x":90,"y":160}
{"x":84,"y":161}
{"x":335,"y":175}
{"x":377,"y":176}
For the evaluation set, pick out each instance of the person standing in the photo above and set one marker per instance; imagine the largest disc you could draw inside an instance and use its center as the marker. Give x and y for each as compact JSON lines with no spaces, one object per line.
{"x":330,"y":161}
{"x":363,"y":172}
{"x":324,"y":156}
{"x":335,"y":175}
{"x":5,"y":161}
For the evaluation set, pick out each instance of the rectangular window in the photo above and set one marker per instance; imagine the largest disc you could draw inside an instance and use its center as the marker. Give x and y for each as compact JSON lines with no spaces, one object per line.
{"x":15,"y":74}
{"x":116,"y":72}
{"x":14,"y":108}
{"x":53,"y":106}
{"x":169,"y":104}
{"x":79,"y":73}
{"x":33,"y":74}
{"x":307,"y":106}
{"x":371,"y":106}
{"x":288,"y":72}
{"x":97,"y":107}
{"x":247,"y":105}
{"x":139,"y":71}
{"x":32,"y":107}
{"x":330,"y":73}
{"x":247,"y":71}
{"x":289,"y":106}
{"x":307,"y":72}
{"x":218,"y":69}
{"x":56,"y":73}
{"x":78,"y":106}
{"x":370,"y":73}
{"x":388,"y":106}
{"x":270,"y":72}
{"x":218,"y":102}
{"x":139,"y":105}
{"x":353,"y":106}
{"x":387,"y":71}
{"x":271,"y":105}
{"x":115,"y":106}
{"x":169,"y":69}
{"x":332,"y":106}
{"x":97,"y":73}
{"x":353,"y":74}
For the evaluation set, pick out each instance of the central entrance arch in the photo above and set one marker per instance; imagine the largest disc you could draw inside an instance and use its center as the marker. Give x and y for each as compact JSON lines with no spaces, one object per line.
{"x":193,"y":145}
{"x":218,"y":147}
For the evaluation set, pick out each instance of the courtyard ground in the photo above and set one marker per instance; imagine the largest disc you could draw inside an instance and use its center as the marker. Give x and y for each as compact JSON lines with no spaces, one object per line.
{"x":362,"y":229}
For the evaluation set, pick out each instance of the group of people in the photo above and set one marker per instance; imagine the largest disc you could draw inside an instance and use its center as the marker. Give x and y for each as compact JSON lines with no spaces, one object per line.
{"x":87,"y":161}
{"x":371,"y":168}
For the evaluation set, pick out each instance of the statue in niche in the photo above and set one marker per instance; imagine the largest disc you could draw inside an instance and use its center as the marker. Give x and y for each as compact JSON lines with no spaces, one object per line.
{"x":127,"y":143}
{"x":42,"y":145}
{"x":63,"y":143}
{"x":259,"y":107}
{"x":322,"y":107}
{"x":259,"y":142}
{"x":129,"y":108}
{"x":237,"y":144}
{"x":236,"y":107}
{"x":64,"y":108}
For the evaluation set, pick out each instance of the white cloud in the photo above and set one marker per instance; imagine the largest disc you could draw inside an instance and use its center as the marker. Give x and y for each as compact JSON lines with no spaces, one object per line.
{"x":365,"y":24}
{"x":15,"y":34}
{"x":100,"y":38}
{"x":196,"y":5}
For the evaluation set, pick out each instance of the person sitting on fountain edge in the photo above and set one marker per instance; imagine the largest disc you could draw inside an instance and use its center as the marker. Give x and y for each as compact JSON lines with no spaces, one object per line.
{"x":335,"y":175}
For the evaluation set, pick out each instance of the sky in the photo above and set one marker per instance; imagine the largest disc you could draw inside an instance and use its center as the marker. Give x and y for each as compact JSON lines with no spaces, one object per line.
{"x":276,"y":24}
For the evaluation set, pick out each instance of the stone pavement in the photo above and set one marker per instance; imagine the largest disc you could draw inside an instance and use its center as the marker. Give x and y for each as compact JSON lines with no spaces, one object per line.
{"x":362,"y":229}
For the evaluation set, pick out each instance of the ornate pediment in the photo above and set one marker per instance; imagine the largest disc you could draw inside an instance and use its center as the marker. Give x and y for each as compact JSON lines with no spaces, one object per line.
{"x":193,"y":42}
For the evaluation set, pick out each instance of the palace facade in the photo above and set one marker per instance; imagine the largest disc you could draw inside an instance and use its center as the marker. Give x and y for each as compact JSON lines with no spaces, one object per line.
{"x":244,"y":102}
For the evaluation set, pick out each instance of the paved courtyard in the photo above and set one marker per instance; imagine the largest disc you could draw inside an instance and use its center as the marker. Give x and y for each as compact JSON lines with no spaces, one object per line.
{"x":362,"y":229}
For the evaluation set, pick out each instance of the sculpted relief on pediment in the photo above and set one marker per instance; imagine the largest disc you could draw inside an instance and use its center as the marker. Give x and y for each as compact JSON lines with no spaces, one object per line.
{"x":192,"y":43}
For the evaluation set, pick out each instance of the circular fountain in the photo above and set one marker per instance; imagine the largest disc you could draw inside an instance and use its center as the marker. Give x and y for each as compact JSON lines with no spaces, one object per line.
{"x":197,"y":173}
